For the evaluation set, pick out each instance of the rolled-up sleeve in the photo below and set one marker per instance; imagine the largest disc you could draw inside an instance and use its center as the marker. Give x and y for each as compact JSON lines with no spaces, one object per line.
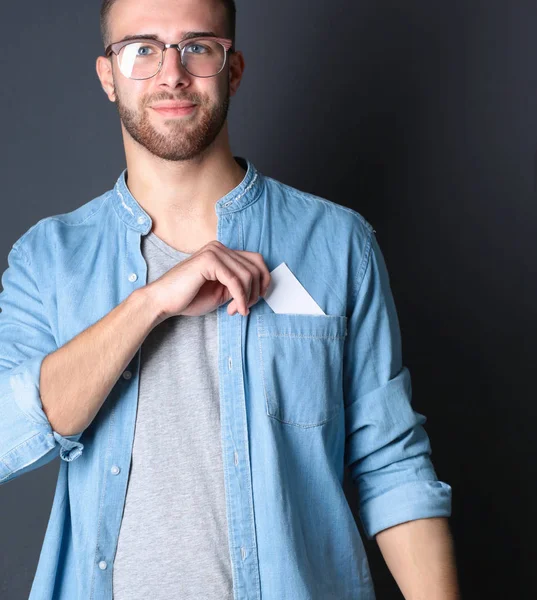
{"x":27,"y":440}
{"x":387,"y":450}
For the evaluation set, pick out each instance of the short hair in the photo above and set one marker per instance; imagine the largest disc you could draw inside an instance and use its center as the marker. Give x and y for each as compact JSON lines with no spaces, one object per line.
{"x":229,"y":5}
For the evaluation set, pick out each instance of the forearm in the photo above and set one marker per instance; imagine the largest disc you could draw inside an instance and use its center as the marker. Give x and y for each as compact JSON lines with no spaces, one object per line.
{"x":420,"y":555}
{"x":76,"y":379}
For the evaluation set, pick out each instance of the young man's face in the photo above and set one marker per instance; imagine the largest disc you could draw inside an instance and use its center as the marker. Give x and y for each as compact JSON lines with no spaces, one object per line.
{"x":179,"y":137}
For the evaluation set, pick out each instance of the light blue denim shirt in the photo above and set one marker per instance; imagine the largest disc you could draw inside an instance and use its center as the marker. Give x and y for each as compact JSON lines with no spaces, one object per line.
{"x":302,"y":396}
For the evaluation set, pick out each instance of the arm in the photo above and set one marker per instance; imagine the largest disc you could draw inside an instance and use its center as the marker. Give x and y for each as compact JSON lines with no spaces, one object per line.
{"x":420,"y":555}
{"x":46,"y":404}
{"x":77,"y":378}
{"x":387,"y":450}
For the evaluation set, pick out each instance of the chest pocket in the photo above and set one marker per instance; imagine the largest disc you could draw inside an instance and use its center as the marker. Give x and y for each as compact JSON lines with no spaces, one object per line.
{"x":301,"y":362}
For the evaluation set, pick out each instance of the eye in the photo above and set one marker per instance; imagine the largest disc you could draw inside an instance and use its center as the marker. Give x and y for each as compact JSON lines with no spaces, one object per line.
{"x":201,"y":48}
{"x":145,"y":50}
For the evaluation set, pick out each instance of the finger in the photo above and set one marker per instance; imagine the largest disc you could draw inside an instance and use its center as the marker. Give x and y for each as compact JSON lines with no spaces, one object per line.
{"x":253,"y":261}
{"x":235,"y":285}
{"x":258,"y":260}
{"x":254,"y":257}
{"x":256,"y":277}
{"x":250,"y":273}
{"x":215,"y":265}
{"x":235,"y":276}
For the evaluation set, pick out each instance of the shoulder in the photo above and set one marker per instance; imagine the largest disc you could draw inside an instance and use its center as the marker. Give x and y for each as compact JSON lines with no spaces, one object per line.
{"x":335,"y":218}
{"x":50,"y":230}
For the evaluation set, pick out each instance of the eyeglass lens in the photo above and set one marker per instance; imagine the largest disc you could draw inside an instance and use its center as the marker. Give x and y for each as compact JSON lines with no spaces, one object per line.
{"x":140,"y":60}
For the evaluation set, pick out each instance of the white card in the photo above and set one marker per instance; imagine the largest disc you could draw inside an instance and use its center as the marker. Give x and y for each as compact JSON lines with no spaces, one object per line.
{"x":286,"y":294}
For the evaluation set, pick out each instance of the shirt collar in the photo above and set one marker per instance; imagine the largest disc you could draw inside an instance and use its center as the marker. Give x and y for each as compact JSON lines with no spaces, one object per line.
{"x":241,"y":196}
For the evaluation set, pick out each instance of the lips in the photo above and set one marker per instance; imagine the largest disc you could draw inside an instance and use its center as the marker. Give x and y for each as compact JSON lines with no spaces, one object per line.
{"x":180,"y":111}
{"x":173,"y":105}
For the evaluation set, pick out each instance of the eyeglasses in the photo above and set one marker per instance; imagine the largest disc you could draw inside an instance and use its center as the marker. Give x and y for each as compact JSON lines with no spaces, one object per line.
{"x":143,"y":58}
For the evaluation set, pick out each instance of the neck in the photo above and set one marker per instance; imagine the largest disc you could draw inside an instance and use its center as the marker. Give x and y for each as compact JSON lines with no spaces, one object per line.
{"x":180,"y":197}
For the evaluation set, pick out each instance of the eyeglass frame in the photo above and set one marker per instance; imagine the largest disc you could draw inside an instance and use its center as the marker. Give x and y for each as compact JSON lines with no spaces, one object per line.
{"x":227,"y":43}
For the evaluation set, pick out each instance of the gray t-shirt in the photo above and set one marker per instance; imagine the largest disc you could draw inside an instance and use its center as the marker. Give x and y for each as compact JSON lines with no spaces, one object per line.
{"x":173,"y":541}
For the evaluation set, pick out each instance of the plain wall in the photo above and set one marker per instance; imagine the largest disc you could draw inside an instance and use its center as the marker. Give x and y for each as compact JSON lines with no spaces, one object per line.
{"x":420,"y":115}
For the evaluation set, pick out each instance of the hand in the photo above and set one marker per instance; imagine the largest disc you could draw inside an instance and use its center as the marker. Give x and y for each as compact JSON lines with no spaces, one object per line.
{"x":209,"y":278}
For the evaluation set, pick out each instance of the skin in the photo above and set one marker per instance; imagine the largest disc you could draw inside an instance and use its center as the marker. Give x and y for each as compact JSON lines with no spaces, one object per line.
{"x":177,"y":167}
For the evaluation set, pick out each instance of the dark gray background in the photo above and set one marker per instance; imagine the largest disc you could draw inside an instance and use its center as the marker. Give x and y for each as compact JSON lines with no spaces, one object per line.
{"x":420,"y":115}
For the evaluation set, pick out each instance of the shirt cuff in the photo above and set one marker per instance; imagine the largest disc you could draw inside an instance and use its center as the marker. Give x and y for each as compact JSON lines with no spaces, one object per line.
{"x":24,"y":382}
{"x":70,"y":448}
{"x":407,"y":502}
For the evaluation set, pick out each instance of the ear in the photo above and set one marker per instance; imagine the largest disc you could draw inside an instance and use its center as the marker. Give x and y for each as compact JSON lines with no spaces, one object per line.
{"x":236,"y":69}
{"x":103,"y":67}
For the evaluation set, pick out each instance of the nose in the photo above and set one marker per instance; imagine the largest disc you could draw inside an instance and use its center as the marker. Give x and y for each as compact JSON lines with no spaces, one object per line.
{"x":172,"y":70}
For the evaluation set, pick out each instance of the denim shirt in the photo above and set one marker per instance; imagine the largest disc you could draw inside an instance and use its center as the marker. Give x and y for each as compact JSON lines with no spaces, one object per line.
{"x":302,"y":396}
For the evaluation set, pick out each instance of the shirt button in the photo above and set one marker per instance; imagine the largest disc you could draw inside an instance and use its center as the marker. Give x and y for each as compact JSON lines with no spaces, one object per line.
{"x":115,"y":470}
{"x":141,"y":220}
{"x":133,"y":277}
{"x":127,"y":374}
{"x":102,"y":565}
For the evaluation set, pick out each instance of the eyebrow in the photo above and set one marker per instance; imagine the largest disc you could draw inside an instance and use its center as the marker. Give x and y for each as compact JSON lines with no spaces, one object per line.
{"x":186,"y":35}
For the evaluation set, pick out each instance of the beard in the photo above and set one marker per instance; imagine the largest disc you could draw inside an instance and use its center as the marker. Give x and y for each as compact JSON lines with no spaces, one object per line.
{"x":180,"y":138}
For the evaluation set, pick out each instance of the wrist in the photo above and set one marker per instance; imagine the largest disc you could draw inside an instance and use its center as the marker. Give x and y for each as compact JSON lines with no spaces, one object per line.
{"x":148,"y":300}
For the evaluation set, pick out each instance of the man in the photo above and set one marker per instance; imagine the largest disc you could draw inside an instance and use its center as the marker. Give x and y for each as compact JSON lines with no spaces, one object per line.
{"x":203,"y":435}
